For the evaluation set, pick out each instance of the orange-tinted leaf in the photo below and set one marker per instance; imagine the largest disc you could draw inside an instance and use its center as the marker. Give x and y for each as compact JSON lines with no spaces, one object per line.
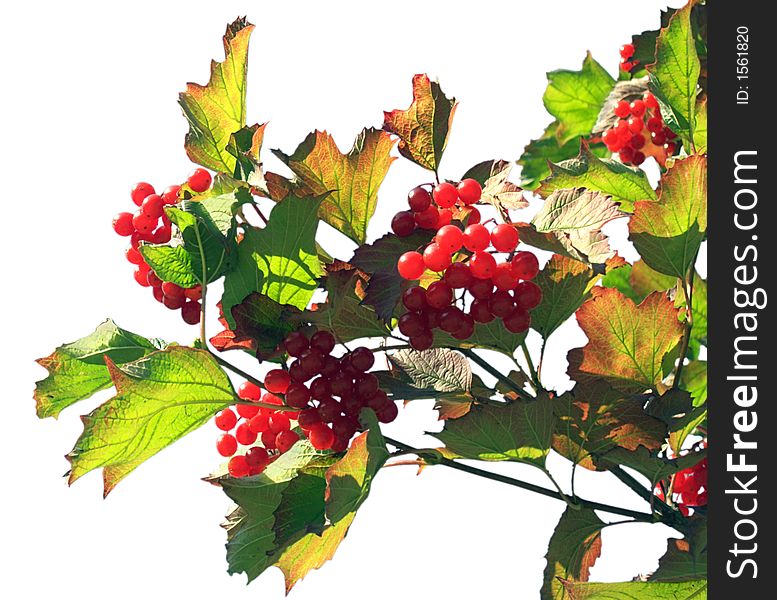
{"x":424,"y":127}
{"x":353,"y":178}
{"x":626,"y":342}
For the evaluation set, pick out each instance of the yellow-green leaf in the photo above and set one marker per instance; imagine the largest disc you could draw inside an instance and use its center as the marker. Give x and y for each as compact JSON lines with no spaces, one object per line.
{"x":633,"y":590}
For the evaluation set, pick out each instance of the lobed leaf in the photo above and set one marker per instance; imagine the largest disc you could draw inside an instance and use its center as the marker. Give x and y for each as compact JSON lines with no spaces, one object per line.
{"x":493,"y":175}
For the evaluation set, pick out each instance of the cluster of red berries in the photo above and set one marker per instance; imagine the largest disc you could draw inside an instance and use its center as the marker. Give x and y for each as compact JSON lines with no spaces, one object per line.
{"x":689,"y":489}
{"x":322,"y":393}
{"x":627,"y":57}
{"x":498,"y":289}
{"x":149,"y":223}
{"x":640,"y":132}
{"x":431,"y":210}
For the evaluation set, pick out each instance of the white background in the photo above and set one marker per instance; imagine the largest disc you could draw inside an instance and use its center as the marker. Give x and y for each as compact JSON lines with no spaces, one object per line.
{"x":89,"y":106}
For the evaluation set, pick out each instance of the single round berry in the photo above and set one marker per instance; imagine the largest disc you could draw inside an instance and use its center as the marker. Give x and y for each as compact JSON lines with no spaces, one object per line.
{"x":226,"y":419}
{"x":162,"y":234}
{"x":321,"y":437}
{"x":244,"y":435}
{"x":171,"y":302}
{"x":469,"y":191}
{"x":297,"y":395}
{"x":403,"y":223}
{"x":260,"y":423}
{"x":637,"y":141}
{"x":238,"y":466}
{"x":481,"y":289}
{"x":343,"y":427}
{"x":445,"y":195}
{"x":627,"y":51}
{"x":451,"y":318}
{"x":458,"y":275}
{"x":480,"y":311}
{"x":152,"y":206}
{"x":193,"y":293}
{"x":122,"y":224}
{"x":170,"y":195}
{"x":622,"y":109}
{"x":476,"y":237}
{"x":414,"y":298}
{"x":134,"y":256}
{"x":257,"y":457}
{"x":473,"y":216}
{"x":517,"y":321}
{"x":436,"y":258}
{"x":637,"y":108}
{"x":143,"y":223}
{"x":296,"y":343}
{"x":411,"y":324}
{"x":501,"y":304}
{"x":199,"y":180}
{"x":226,"y":445}
{"x":626,"y":154}
{"x":191,"y":311}
{"x":638,"y":158}
{"x":308,"y":417}
{"x":140,"y":191}
{"x":431,"y":317}
{"x":439,"y":294}
{"x":528,"y":295}
{"x":154,"y":281}
{"x":428,"y":219}
{"x":419,"y":199}
{"x":279,"y":422}
{"x":158,"y":294}
{"x":172,"y":290}
{"x":482,"y":265}
{"x":323,"y":341}
{"x":650,"y":101}
{"x":627,"y":65}
{"x":329,"y":409}
{"x":378,"y":400}
{"x":504,"y":237}
{"x":277,"y":381}
{"x":411,"y":265}
{"x":141,"y":275}
{"x":444,"y":217}
{"x":362,"y":359}
{"x":247,"y":411}
{"x":320,"y":389}
{"x":422,"y":341}
{"x":449,"y":238}
{"x":635,"y":124}
{"x":285,"y":440}
{"x":249,"y":391}
{"x":388,"y":413}
{"x":366,"y":385}
{"x":658,"y":138}
{"x":466,"y":328}
{"x":611,"y":140}
{"x":504,"y":278}
{"x":525,"y":265}
{"x":268,"y":439}
{"x":655,"y":124}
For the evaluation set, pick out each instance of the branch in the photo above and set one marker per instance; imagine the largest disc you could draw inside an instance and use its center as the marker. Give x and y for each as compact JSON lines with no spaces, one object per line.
{"x":669,"y":514}
{"x":500,"y":376}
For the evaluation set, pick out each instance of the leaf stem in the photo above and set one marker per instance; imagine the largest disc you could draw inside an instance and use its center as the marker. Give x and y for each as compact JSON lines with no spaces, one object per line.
{"x":687,"y":285}
{"x":669,"y":514}
{"x":438,"y":459}
{"x":530,"y":364}
{"x":474,"y":357}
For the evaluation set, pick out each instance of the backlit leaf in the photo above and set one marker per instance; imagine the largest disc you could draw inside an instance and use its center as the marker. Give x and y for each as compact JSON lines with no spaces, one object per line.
{"x":440,"y":369}
{"x":633,"y":590}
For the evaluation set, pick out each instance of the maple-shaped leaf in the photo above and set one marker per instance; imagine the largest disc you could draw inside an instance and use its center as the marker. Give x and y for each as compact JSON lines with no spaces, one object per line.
{"x":217,"y":110}
{"x":159,"y":398}
{"x":265,"y":322}
{"x":668,"y":233}
{"x":627,"y":91}
{"x":576,"y":97}
{"x":625,"y":185}
{"x":630,"y":590}
{"x":493,"y":175}
{"x":685,"y":559}
{"x":77,"y":370}
{"x":574,"y":547}
{"x":626,"y":342}
{"x":593,"y":419}
{"x":280,"y":261}
{"x":424,"y":127}
{"x":351,"y":180}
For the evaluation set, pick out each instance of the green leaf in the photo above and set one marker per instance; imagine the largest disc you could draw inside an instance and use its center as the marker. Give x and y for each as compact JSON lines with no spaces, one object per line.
{"x":575,"y":98}
{"x":77,"y":370}
{"x":700,"y":129}
{"x":644,"y":280}
{"x":624,"y":184}
{"x":217,"y":110}
{"x":349,"y":479}
{"x":343,"y":312}
{"x":668,"y":233}
{"x":694,"y":380}
{"x":632,"y":590}
{"x":685,"y":559}
{"x":619,"y":278}
{"x":159,"y":398}
{"x":565,"y":285}
{"x":626,"y":342}
{"x":350,"y":180}
{"x":675,"y":74}
{"x":573,"y":549}
{"x":279,"y":261}
{"x":649,"y":463}
{"x":487,"y":336}
{"x":520,"y":431}
{"x":245,"y":145}
{"x":264,"y":321}
{"x":424,"y":127}
{"x":439,"y":369}
{"x":645,"y":45}
{"x":624,"y":91}
{"x":593,"y":419}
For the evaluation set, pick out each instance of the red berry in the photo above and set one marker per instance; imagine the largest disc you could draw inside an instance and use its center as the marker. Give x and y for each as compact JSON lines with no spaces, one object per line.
{"x":670,"y":148}
{"x":411,"y":265}
{"x":611,"y":140}
{"x":279,"y":422}
{"x":635,"y":124}
{"x":141,"y":275}
{"x":249,"y":391}
{"x":323,"y":341}
{"x":482,"y":265}
{"x":480,"y":311}
{"x":502,"y":304}
{"x":171,"y":302}
{"x":329,"y":409}
{"x":378,"y":400}
{"x":140,"y":191}
{"x":285,"y":440}
{"x":238,"y":466}
{"x":411,"y":324}
{"x":637,"y":108}
{"x":162,"y":234}
{"x":312,"y":362}
{"x":158,"y":295}
{"x":193,"y":293}
{"x":466,"y":329}
{"x":473,"y":216}
{"x":458,"y":275}
{"x":650,"y":101}
{"x":247,"y":411}
{"x":344,"y":427}
{"x":226,"y":445}
{"x":626,"y":154}
{"x":449,"y":238}
{"x":637,"y":141}
{"x":191,"y":312}
{"x":170,"y":195}
{"x":444,"y":217}
{"x":638,"y":158}
{"x":152,"y":206}
{"x":436,"y":258}
{"x":419,"y":199}
{"x":257,"y":457}
{"x":658,"y":138}
{"x":451,"y":318}
{"x":387,"y":413}
{"x":428,"y":219}
{"x":244,"y":435}
{"x":321,"y":437}
{"x":173,"y":290}
{"x":528,"y":295}
{"x":199,"y":180}
{"x":476,"y":237}
{"x":517,"y":321}
{"x":627,"y":51}
{"x":469,"y":191}
{"x":268,"y":439}
{"x":154,"y":281}
{"x":366,"y":385}
{"x":134,"y":256}
{"x":226,"y":419}
{"x":319,"y":390}
{"x":414,"y":298}
{"x":481,"y":289}
{"x":403,"y":223}
{"x":143,"y":223}
{"x":362,"y":359}
{"x":627,"y":65}
{"x":439,"y":294}
{"x":504,"y":278}
{"x":504,"y":237}
{"x":431,"y":317}
{"x":445,"y":195}
{"x":422,"y":341}
{"x":277,"y":381}
{"x":308,"y":417}
{"x":122,"y":224}
{"x":296,"y":343}
{"x":655,"y":124}
{"x":622,"y":109}
{"x":260,"y":423}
